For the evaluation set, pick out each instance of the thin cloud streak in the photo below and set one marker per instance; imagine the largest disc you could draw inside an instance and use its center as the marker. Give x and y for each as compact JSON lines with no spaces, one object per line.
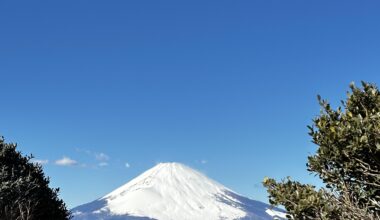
{"x":41,"y":162}
{"x":103,"y":164}
{"x":101,"y":157}
{"x":66,"y":161}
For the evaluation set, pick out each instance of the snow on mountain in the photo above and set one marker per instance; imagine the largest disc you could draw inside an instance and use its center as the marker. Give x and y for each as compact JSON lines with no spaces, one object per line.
{"x":173,"y":191}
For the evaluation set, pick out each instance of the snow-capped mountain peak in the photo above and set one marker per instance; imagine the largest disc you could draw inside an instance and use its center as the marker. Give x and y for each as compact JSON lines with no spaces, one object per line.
{"x":173,"y":191}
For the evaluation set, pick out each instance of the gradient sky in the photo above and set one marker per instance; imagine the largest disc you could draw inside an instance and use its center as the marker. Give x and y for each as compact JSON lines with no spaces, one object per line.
{"x":103,"y":90}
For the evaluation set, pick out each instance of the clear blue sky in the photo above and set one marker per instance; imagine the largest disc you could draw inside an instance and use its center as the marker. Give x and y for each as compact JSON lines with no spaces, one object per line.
{"x":226,"y":87}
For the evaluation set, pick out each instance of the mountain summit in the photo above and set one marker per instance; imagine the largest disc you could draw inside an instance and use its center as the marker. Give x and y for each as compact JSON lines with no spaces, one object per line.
{"x":173,"y":191}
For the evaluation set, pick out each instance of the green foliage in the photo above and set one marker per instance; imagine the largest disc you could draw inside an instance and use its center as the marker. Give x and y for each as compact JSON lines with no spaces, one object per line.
{"x":347,"y":160}
{"x":24,"y":189}
{"x":348,"y":157}
{"x":301,"y":201}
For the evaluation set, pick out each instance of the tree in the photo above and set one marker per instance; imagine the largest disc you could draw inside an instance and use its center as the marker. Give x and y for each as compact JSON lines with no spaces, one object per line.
{"x":347,"y":160}
{"x":24,"y":190}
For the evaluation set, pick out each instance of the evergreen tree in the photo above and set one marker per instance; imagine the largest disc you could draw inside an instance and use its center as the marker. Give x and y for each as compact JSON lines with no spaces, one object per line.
{"x":347,"y":160}
{"x":24,"y":190}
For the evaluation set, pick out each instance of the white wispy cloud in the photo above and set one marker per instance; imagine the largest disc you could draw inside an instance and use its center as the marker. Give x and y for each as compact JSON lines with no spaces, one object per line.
{"x":127,"y":165}
{"x":101,"y":157}
{"x":103,"y":164}
{"x":80,"y":150}
{"x":203,"y":161}
{"x":66,"y":161}
{"x":41,"y":162}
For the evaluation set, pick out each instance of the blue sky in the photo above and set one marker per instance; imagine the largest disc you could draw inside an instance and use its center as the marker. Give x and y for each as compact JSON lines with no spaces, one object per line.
{"x":226,"y":87}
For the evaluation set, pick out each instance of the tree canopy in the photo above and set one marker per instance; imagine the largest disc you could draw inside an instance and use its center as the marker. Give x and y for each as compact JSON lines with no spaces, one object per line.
{"x":24,"y":189}
{"x":347,"y":160}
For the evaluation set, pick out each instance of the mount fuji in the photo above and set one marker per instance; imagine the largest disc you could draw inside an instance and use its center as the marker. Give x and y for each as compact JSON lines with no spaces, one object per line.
{"x":173,"y":191}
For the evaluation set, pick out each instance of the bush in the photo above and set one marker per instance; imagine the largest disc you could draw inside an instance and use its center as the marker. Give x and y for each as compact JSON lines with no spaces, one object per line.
{"x":24,"y":189}
{"x":347,"y":160}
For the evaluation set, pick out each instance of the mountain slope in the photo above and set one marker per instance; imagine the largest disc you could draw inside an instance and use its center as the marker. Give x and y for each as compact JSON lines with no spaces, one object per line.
{"x":172,"y":191}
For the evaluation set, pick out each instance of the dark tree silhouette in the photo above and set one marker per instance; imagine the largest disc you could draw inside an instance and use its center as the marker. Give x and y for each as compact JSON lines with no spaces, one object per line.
{"x":24,"y":190}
